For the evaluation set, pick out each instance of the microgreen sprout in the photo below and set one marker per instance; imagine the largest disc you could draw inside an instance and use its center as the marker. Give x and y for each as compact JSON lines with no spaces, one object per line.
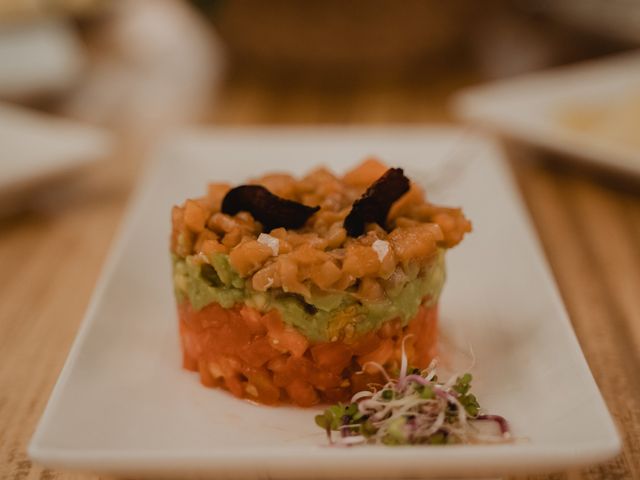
{"x":415,"y":408}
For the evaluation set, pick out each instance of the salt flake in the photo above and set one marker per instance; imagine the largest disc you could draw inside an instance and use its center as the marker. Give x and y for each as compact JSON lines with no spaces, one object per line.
{"x":272,"y":242}
{"x":381,"y":248}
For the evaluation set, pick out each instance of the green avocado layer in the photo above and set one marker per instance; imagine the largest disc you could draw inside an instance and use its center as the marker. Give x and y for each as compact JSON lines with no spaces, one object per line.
{"x":321,"y":317}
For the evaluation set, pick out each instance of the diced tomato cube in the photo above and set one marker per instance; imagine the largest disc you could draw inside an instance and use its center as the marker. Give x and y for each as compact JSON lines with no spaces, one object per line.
{"x":366,"y":344}
{"x":288,"y":340}
{"x":333,"y":356}
{"x":323,"y":379}
{"x":258,"y":352}
{"x":206,"y":378}
{"x":188,"y":362}
{"x":235,"y":385}
{"x":260,"y":386}
{"x":253,"y":319}
{"x":302,"y":393}
{"x":364,"y":380}
{"x":380,"y":355}
{"x":278,"y":364}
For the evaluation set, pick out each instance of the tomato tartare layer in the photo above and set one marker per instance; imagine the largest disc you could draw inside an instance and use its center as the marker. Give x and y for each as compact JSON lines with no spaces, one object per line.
{"x":256,"y":356}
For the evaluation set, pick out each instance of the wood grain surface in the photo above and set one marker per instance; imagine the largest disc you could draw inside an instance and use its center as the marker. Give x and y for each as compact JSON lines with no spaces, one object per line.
{"x":51,"y":257}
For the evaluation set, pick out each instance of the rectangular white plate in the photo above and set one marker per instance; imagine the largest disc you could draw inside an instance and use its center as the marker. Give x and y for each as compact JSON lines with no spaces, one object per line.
{"x":528,"y":108}
{"x":123,"y":405}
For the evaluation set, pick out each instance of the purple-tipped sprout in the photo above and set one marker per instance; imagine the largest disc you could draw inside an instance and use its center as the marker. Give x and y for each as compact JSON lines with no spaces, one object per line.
{"x":501,"y":421}
{"x":424,"y":417}
{"x":402,"y":384}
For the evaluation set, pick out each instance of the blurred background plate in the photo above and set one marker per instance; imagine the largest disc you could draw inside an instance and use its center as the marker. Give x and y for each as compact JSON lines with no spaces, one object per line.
{"x":38,"y":150}
{"x":590,"y":111}
{"x":39,"y":58}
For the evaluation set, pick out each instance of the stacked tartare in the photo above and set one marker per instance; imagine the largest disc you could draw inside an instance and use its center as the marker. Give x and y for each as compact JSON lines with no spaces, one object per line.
{"x":305,"y":290}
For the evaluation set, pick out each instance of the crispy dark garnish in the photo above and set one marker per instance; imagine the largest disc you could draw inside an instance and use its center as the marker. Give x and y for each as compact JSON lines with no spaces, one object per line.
{"x":374,"y":205}
{"x":268,"y":209}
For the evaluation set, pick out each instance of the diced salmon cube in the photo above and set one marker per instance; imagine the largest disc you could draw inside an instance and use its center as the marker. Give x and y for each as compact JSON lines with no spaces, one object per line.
{"x":371,"y":290}
{"x":326,"y":275}
{"x":365,"y":173}
{"x":209,"y":247}
{"x":307,"y":255}
{"x":336,"y":235}
{"x":360,"y":260}
{"x":232,"y":239}
{"x":281,"y":184}
{"x":247,"y":257}
{"x":415,"y":196}
{"x":288,"y":272}
{"x":195,"y":216}
{"x":215,"y":194}
{"x":266,"y":278}
{"x":415,"y":242}
{"x":203,"y":236}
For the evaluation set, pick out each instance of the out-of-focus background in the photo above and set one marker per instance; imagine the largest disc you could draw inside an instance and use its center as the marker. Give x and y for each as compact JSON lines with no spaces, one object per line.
{"x":128,"y":72}
{"x":140,"y":67}
{"x":89,"y":88}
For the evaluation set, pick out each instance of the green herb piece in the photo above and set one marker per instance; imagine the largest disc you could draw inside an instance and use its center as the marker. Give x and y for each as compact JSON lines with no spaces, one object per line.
{"x":427,"y":392}
{"x":470,"y":404}
{"x":368,"y":429}
{"x":396,"y":434}
{"x":438,"y":438}
{"x":322,"y":421}
{"x":351,"y":409}
{"x":463,"y":384}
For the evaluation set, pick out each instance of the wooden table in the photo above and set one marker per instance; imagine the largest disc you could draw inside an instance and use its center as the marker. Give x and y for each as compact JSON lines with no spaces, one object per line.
{"x":51,"y":258}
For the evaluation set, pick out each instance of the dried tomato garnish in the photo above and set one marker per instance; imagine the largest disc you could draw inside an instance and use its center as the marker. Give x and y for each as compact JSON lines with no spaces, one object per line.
{"x":374,"y":205}
{"x":270,"y":210}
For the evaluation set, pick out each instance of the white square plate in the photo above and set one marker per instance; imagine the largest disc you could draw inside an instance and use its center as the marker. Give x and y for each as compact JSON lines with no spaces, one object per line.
{"x":123,"y":405}
{"x":533,"y":108}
